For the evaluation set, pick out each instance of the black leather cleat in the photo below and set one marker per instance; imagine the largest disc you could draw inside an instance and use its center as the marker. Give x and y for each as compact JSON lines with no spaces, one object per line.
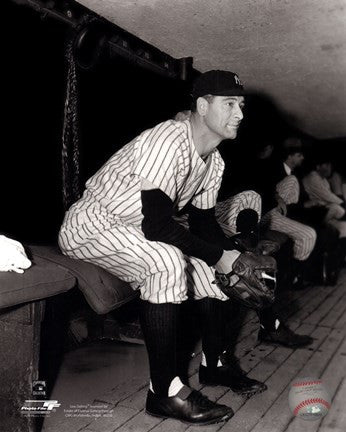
{"x":188,"y":406}
{"x":232,"y":376}
{"x":283,"y":335}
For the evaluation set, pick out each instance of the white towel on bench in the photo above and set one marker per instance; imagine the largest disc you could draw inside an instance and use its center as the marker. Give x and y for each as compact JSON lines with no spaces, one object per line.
{"x":12,"y":256}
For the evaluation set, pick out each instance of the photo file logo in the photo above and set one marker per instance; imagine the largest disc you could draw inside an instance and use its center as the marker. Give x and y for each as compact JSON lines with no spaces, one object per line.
{"x":40,"y":406}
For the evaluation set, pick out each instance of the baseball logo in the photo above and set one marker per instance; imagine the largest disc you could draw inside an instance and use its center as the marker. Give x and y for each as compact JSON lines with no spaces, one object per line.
{"x":308,"y":399}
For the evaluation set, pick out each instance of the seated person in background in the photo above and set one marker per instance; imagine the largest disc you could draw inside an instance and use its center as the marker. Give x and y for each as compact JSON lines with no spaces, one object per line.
{"x":338,"y":185}
{"x":243,"y":226}
{"x":272,"y":325}
{"x":319,"y":190}
{"x":321,"y":265}
{"x":274,"y":179}
{"x":238,"y":217}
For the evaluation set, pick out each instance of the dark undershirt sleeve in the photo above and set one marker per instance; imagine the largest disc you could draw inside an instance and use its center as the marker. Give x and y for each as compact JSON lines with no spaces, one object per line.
{"x":158,"y":225}
{"x":203,"y":224}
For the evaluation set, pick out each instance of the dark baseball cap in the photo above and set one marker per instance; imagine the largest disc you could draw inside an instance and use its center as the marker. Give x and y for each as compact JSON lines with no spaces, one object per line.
{"x":218,"y":83}
{"x":293,"y":144}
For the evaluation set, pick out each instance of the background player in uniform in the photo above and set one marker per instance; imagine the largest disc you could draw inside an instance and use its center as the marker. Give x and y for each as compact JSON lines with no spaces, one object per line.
{"x":126,"y":222}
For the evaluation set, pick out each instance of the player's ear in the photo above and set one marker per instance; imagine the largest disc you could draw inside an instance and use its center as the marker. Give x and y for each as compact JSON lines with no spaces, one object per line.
{"x":202,"y":106}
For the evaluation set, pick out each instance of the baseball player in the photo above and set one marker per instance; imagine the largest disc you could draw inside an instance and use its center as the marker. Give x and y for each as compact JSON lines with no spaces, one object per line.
{"x":319,"y":190}
{"x":287,"y":192}
{"x":280,"y":192}
{"x":127,"y":222}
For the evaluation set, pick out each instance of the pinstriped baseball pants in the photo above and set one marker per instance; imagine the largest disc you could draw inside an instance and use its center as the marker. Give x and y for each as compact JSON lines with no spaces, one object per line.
{"x":336,"y":212}
{"x":303,"y":236}
{"x":161,"y":271}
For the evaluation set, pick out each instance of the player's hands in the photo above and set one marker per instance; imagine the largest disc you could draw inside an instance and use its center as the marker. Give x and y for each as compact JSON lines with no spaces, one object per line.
{"x":256,"y":274}
{"x":225,"y":263}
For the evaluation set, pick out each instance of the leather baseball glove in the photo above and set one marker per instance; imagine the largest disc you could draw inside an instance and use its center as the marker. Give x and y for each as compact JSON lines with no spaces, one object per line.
{"x":252,"y":280}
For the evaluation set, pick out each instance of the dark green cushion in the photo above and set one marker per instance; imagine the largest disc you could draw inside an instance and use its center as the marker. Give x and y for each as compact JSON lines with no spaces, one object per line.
{"x":102,"y":290}
{"x":43,"y":279}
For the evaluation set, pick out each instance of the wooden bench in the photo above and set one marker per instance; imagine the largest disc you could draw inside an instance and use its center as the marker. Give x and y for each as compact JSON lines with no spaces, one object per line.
{"x":22,"y":309}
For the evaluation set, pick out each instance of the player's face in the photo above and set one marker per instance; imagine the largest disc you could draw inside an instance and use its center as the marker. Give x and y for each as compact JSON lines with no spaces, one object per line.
{"x":224,"y":114}
{"x":325,"y":169}
{"x":297,"y":159}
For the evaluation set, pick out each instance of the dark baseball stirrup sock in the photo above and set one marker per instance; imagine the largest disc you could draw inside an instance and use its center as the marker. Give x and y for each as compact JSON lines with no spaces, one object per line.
{"x":234,"y":318}
{"x":210,"y":313}
{"x":159,"y":324}
{"x":299,"y":268}
{"x":268,"y":318}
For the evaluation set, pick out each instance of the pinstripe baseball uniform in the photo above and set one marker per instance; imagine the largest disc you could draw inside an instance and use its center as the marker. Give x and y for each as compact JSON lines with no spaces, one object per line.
{"x":303,"y":236}
{"x":104,"y":226}
{"x":319,"y":190}
{"x":338,"y":185}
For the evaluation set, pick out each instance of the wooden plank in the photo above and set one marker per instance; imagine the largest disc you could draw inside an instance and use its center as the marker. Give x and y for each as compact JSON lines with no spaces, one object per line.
{"x":172,"y":426}
{"x":124,"y":390}
{"x":335,"y":313}
{"x":326,"y":306}
{"x":141,"y":422}
{"x":136,"y":400}
{"x":296,"y":424}
{"x":291,"y":301}
{"x":331,"y":377}
{"x":341,"y":321}
{"x":277,"y":377}
{"x":65,"y":424}
{"x":118,"y":417}
{"x":335,"y":420}
{"x":314,"y":298}
{"x":268,"y":352}
{"x":278,"y":418}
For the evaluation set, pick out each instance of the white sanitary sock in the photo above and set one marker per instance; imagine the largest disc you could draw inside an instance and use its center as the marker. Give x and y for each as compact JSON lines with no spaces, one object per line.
{"x":175,"y":386}
{"x":204,"y":361}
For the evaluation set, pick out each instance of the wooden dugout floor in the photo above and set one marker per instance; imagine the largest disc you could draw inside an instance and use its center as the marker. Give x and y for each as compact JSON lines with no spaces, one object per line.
{"x":319,"y":311}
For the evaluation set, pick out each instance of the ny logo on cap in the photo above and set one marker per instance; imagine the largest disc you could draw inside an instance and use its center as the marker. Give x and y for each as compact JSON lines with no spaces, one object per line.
{"x":237,"y":80}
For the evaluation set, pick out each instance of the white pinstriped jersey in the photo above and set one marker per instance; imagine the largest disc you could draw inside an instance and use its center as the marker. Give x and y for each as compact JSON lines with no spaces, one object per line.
{"x":318,"y":189}
{"x":165,"y":156}
{"x":104,"y":226}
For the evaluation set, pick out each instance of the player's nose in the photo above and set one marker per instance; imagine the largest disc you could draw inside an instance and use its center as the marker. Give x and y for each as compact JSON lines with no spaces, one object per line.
{"x":239,"y":113}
